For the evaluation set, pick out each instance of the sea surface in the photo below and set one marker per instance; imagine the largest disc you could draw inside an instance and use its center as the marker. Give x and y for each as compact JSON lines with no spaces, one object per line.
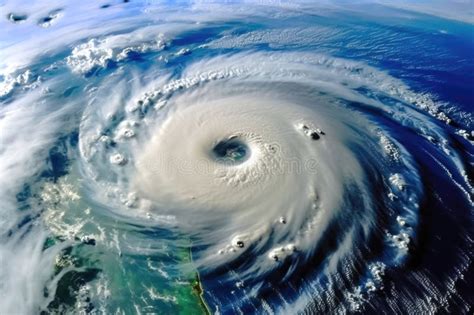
{"x":259,"y":157}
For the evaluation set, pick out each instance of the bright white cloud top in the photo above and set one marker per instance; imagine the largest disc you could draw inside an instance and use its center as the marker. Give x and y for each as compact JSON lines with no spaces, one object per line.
{"x":270,"y":157}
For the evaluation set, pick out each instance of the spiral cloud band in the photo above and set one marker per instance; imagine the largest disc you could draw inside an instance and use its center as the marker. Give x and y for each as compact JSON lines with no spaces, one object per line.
{"x":210,"y":158}
{"x":263,"y":159}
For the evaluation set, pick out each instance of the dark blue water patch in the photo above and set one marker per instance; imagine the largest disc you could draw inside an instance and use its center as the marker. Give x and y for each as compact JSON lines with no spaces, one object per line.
{"x":73,"y":138}
{"x":464,"y":285}
{"x":46,"y":19}
{"x":198,"y":36}
{"x":440,"y":64}
{"x":57,"y":164}
{"x":136,"y":56}
{"x":462,"y":145}
{"x":440,"y":246}
{"x":450,"y":87}
{"x":50,"y":17}
{"x":152,"y":232}
{"x":67,"y":288}
{"x":24,"y":194}
{"x":17,"y":17}
{"x":444,"y":207}
{"x":405,"y":43}
{"x":23,"y":226}
{"x":212,"y":31}
{"x":294,"y":271}
{"x":392,"y":16}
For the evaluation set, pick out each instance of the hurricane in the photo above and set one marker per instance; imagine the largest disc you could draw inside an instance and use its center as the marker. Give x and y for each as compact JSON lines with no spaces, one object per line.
{"x":235,"y":158}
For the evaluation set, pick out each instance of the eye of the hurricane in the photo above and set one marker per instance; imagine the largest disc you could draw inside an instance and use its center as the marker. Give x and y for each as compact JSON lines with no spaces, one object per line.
{"x":231,"y":152}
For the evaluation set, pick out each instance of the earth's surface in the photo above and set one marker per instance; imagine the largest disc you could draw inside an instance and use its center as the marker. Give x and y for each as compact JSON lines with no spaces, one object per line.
{"x":236,"y":158}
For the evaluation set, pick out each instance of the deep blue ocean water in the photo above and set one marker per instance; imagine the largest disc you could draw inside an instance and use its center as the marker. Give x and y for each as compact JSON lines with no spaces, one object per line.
{"x":403,"y":76}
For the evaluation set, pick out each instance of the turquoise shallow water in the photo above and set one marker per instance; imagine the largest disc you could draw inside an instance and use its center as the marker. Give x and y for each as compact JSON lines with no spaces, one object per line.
{"x":256,"y":158}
